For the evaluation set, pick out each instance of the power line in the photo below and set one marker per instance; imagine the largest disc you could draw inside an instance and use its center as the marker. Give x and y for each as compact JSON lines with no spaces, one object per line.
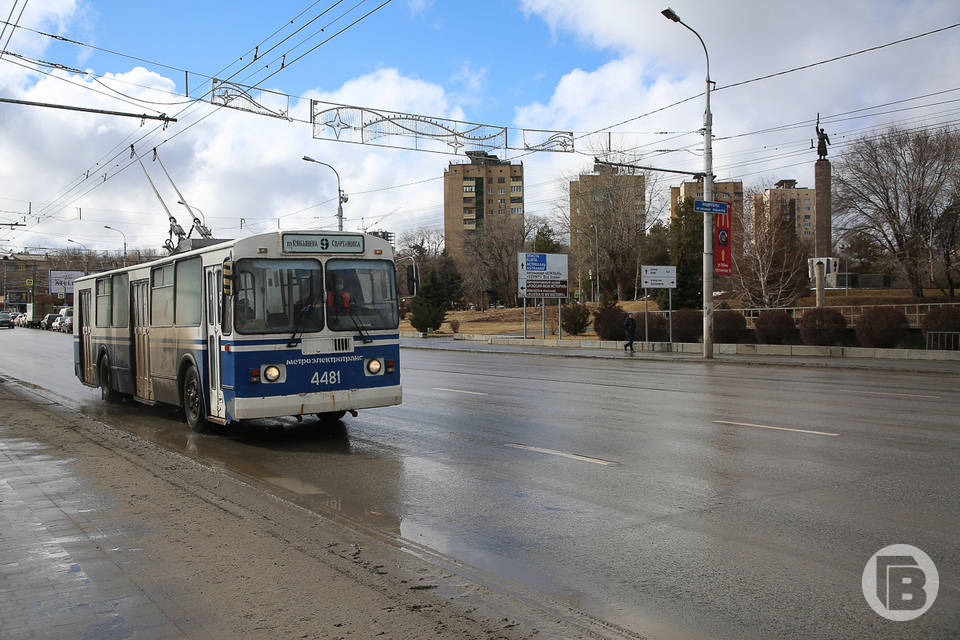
{"x":123,"y":148}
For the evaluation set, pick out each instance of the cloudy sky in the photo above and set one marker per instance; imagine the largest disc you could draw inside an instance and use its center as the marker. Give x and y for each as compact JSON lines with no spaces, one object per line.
{"x":607,"y":70}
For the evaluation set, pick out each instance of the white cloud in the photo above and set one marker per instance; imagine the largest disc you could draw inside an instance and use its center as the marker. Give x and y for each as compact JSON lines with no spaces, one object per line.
{"x":659,"y":62}
{"x":231,"y":165}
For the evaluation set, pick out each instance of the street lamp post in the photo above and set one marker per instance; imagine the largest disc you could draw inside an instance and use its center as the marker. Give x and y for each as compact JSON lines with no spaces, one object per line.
{"x":86,"y":270}
{"x":341,"y":196}
{"x":708,"y":196}
{"x":106,"y":226}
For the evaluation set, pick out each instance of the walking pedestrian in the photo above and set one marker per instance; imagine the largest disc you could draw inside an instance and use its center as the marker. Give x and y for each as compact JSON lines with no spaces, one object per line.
{"x":630,"y":329}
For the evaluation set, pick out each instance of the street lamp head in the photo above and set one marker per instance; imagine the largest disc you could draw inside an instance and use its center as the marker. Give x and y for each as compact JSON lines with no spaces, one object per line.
{"x":670,"y":15}
{"x":308,"y":159}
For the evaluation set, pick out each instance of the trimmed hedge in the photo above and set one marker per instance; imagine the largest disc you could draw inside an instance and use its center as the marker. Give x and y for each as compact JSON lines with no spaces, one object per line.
{"x":728,"y":326}
{"x":822,"y":327}
{"x":656,"y":325}
{"x":882,"y":328}
{"x":575,"y":318}
{"x":608,"y":323}
{"x":773,"y":326}
{"x":942,"y":319}
{"x":687,"y":325}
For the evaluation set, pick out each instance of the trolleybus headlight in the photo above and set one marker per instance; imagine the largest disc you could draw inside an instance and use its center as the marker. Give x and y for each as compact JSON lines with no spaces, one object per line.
{"x":271,"y":373}
{"x":374,"y":366}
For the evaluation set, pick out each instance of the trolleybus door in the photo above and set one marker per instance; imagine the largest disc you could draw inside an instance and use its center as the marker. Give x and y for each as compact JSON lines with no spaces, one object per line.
{"x":214,"y":278}
{"x":141,"y":338}
{"x":87,"y":365}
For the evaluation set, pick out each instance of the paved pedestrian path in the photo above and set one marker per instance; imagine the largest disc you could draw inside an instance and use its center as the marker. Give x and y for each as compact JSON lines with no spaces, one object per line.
{"x":520,"y":347}
{"x":66,"y":564}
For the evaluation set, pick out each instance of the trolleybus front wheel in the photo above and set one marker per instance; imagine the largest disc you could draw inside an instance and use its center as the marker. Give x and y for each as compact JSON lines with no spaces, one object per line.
{"x":193,"y":409}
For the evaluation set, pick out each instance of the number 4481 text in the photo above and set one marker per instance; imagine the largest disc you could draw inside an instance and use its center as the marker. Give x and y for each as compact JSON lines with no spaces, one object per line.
{"x":327,"y":377}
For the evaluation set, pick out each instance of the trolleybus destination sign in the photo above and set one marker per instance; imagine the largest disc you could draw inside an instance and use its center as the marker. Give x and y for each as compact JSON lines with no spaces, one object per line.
{"x":321,"y":243}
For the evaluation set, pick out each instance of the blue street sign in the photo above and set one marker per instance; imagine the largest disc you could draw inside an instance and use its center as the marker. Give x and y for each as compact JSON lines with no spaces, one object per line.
{"x":536,"y":262}
{"x":709,"y":206}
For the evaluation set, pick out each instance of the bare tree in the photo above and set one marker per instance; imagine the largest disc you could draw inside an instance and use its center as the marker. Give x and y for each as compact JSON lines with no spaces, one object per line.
{"x":894,"y":187}
{"x":491,"y":256}
{"x":425,"y":243}
{"x":770,"y":265}
{"x":607,"y":222}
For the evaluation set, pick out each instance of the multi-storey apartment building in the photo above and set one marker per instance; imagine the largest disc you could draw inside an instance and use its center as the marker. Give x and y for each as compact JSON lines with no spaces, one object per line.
{"x":477,"y":194}
{"x":795,"y":206}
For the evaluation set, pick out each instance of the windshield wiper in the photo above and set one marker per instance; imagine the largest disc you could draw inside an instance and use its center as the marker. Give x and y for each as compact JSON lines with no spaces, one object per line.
{"x":298,"y":318}
{"x":366,"y":338}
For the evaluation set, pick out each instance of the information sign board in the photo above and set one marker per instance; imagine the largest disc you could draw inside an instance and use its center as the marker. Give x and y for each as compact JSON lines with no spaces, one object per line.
{"x":542,"y":275}
{"x":658,"y":277}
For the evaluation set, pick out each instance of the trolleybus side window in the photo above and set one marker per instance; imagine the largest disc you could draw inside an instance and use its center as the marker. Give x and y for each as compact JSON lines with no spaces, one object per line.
{"x":278,"y":295}
{"x":103,"y":302}
{"x":161,"y":303}
{"x":361,"y":293}
{"x":121,"y":299}
{"x":189,"y":306}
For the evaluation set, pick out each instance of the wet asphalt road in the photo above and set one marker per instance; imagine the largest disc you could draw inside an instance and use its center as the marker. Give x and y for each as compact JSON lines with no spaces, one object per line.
{"x":673,"y":499}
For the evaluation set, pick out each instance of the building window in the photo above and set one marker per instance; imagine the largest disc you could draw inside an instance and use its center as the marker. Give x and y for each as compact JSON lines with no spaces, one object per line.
{"x":468,"y":201}
{"x":468,"y":212}
{"x":490,"y":201}
{"x":490,"y":191}
{"x":469,"y":188}
{"x":501,"y":191}
{"x":516,"y":210}
{"x":516,"y":188}
{"x":516,"y":178}
{"x":501,"y":180}
{"x":516,"y":199}
{"x":502,"y":201}
{"x":807,"y":217}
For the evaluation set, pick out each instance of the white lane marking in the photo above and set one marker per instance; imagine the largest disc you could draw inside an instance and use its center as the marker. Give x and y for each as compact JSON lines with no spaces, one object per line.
{"x":766,"y":426}
{"x":473,"y":393}
{"x":889,"y":393}
{"x":552,"y":452}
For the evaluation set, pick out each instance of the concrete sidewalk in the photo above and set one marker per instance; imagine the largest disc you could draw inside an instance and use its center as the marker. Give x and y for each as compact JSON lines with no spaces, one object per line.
{"x":530,"y":347}
{"x":104,"y":535}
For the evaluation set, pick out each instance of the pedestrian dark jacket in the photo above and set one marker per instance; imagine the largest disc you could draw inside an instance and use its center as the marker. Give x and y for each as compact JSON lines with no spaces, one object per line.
{"x":630,"y":326}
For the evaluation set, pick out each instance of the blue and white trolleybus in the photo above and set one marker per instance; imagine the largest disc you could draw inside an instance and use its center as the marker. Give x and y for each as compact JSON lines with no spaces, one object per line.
{"x":278,"y":324}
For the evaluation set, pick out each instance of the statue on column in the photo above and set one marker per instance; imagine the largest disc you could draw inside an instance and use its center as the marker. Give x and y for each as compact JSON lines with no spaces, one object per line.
{"x":822,"y":140}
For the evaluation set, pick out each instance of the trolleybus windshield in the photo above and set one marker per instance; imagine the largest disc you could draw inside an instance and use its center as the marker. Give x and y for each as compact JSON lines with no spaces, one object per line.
{"x":278,"y":295}
{"x":361,"y":294}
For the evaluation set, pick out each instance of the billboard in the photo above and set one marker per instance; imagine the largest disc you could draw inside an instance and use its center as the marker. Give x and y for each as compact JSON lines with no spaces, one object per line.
{"x":722,"y":247}
{"x":62,"y":281}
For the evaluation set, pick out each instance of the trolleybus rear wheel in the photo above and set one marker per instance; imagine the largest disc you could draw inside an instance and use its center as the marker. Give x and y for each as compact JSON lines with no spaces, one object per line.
{"x":107,"y":394}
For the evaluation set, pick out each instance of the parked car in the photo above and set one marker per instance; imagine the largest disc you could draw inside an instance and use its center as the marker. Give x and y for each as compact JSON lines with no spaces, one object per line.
{"x":55,"y":325}
{"x":66,"y":325}
{"x":47,"y":321}
{"x":6,"y":321}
